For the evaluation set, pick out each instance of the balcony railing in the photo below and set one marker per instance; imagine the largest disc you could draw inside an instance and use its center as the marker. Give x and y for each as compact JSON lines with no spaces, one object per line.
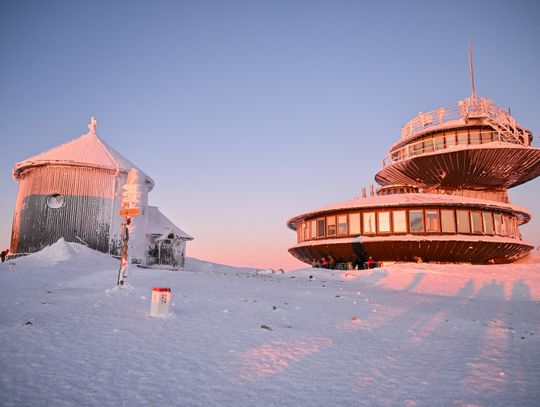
{"x":468,"y":108}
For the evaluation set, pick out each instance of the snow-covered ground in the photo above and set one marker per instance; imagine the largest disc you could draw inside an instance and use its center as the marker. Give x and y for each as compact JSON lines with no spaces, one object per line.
{"x":405,"y":335}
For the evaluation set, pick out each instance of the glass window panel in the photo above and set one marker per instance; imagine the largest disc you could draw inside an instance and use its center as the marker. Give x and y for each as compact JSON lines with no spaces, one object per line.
{"x":476,"y":218}
{"x":508,"y":226}
{"x":463,"y":221}
{"x":487,"y":137}
{"x":369,"y":222}
{"x":474,"y":138}
{"x":438,"y":142}
{"x":331,"y":226}
{"x":305,"y":231}
{"x":299,"y":232}
{"x":488,"y":222}
{"x":450,"y":139}
{"x":448,"y":224}
{"x":313,"y":229}
{"x":354,"y":224}
{"x":400,"y":221}
{"x":462,"y":137}
{"x":321,"y":227}
{"x":432,"y":221}
{"x":418,"y":147}
{"x":428,"y":146}
{"x":342,"y":225}
{"x":384,"y":222}
{"x":498,"y":223}
{"x":416,"y":221}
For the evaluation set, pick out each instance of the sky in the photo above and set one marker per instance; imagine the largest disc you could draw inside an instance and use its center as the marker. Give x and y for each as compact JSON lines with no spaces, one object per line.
{"x":247,"y":113}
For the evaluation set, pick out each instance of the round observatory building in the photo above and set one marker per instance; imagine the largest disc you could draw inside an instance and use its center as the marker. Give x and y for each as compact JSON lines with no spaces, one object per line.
{"x":443,"y":196}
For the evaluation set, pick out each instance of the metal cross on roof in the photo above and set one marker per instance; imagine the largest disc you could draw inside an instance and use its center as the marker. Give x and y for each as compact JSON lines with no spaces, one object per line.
{"x":92,"y":125}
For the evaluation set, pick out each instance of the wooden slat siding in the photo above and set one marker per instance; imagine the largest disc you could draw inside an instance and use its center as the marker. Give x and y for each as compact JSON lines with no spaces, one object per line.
{"x":442,"y":251}
{"x":86,"y":212}
{"x":481,"y":167}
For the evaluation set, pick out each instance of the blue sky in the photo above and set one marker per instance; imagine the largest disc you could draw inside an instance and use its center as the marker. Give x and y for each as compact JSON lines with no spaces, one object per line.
{"x":247,"y":113}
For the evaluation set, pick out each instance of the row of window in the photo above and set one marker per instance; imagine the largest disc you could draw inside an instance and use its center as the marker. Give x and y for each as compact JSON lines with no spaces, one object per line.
{"x":401,"y":221}
{"x":444,"y":140}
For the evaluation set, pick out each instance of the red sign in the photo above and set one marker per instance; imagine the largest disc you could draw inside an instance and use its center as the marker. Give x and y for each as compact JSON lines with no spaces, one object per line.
{"x":129,"y":212}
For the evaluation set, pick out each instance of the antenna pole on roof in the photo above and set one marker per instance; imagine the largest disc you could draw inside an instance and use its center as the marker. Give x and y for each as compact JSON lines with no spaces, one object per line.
{"x":472,"y":72}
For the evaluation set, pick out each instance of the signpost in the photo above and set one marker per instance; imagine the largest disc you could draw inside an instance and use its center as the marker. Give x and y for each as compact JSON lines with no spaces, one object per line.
{"x":127,"y":214}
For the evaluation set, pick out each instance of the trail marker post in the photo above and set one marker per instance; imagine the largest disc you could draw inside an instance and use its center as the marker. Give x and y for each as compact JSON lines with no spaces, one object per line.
{"x":127,"y":213}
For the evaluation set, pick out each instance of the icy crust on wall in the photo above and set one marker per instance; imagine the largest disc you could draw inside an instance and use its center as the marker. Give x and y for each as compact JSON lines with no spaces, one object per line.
{"x":85,"y":214}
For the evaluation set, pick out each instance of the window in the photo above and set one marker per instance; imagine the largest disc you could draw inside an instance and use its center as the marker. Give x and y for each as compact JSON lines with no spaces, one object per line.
{"x":498,"y":223}
{"x":432,"y":221}
{"x":416,"y":221}
{"x":475,"y":138}
{"x":463,"y":221}
{"x":476,"y":222}
{"x":55,"y":201}
{"x":384,"y":221}
{"x":428,"y":146}
{"x":299,"y":232}
{"x":462,"y":137}
{"x":448,"y":224}
{"x":400,"y":221}
{"x":331,"y":226}
{"x":305,"y":231}
{"x":342,"y":225}
{"x":354,"y":224}
{"x":450,"y":139}
{"x":369,"y":222}
{"x":313,"y":229}
{"x":487,"y":137}
{"x":321,"y":227}
{"x":418,"y":147}
{"x":508,"y":226}
{"x":438,"y":143}
{"x":488,"y":223}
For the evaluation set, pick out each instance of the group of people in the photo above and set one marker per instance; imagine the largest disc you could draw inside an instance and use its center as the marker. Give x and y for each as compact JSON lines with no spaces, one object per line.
{"x":330,"y":263}
{"x":325,"y":263}
{"x":4,"y":254}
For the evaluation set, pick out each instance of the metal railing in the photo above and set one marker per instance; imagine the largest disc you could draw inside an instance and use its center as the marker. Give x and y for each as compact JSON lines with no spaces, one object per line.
{"x":505,"y":129}
{"x":468,"y":108}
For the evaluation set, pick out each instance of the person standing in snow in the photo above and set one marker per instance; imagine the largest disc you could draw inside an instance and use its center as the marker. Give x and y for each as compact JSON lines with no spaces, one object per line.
{"x":324,"y":262}
{"x":371,"y":263}
{"x":331,"y":262}
{"x":4,"y":254}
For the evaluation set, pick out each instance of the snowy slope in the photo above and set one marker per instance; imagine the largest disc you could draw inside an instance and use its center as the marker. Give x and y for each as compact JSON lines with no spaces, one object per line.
{"x":406,"y":335}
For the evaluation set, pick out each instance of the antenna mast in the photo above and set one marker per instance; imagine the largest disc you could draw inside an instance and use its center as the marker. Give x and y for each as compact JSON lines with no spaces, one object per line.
{"x":473,"y":96}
